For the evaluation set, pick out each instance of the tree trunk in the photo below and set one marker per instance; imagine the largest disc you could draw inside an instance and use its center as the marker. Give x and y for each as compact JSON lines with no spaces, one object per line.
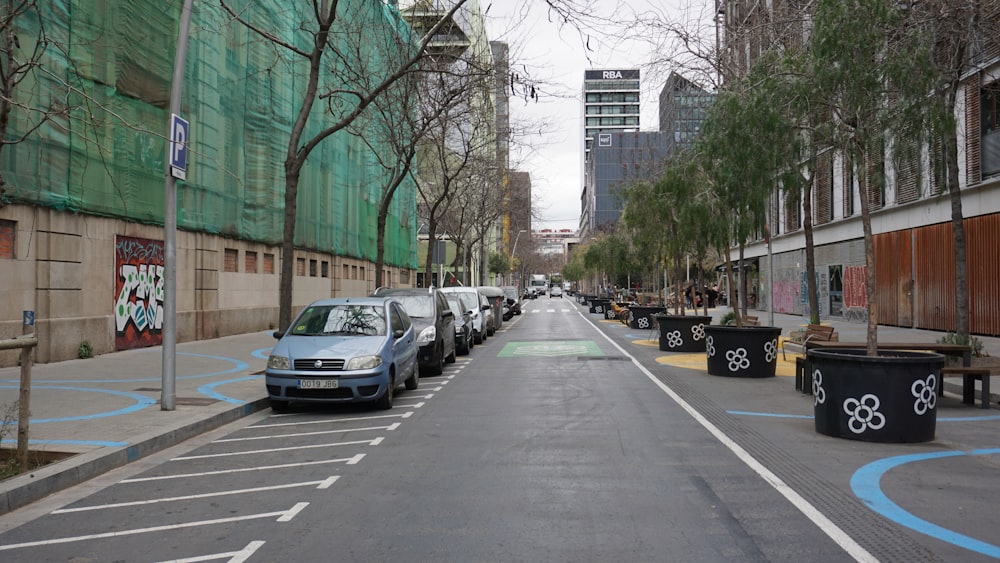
{"x":807,"y":227}
{"x":949,"y":144}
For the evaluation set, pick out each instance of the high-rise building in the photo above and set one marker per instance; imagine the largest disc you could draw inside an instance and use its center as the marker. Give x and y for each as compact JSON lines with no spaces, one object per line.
{"x":682,"y":110}
{"x":610,"y":106}
{"x":613,"y":165}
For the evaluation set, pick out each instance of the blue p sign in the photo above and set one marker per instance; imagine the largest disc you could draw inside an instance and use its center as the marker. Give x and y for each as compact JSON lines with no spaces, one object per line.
{"x":178,"y":146}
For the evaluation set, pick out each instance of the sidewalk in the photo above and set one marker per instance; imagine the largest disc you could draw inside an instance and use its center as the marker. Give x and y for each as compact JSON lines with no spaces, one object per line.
{"x":102,"y":413}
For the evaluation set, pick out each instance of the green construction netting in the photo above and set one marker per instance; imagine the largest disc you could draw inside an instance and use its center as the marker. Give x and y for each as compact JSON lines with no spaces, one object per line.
{"x":107,"y":73}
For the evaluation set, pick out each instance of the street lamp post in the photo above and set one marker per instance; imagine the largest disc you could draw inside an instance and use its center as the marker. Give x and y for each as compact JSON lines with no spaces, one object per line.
{"x":512,"y":251}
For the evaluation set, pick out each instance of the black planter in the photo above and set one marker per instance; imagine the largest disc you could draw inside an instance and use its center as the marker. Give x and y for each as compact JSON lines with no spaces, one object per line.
{"x":584,"y":298}
{"x":599,"y":306}
{"x":682,"y":333}
{"x":747,"y":351}
{"x":639,"y":316}
{"x":891,"y":397}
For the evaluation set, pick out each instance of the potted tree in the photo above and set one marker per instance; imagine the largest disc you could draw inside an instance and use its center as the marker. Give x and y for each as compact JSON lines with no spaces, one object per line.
{"x":874,"y":69}
{"x":740,"y":173}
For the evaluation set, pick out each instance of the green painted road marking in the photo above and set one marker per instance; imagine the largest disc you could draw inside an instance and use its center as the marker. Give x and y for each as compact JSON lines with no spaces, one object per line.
{"x":550,"y":349}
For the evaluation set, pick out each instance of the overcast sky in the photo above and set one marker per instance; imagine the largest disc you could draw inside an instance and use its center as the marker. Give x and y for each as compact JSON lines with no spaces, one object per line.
{"x":555,"y":57}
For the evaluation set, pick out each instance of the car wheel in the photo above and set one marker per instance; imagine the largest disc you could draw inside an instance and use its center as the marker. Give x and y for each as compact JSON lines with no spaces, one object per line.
{"x":450,"y":358}
{"x":413,"y":381}
{"x":385,"y":401}
{"x":463,"y":350}
{"x":278,"y":405}
{"x":477,"y":337}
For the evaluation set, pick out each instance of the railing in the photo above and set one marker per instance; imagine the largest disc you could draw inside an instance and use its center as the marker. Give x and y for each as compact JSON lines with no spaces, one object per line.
{"x":25,"y":343}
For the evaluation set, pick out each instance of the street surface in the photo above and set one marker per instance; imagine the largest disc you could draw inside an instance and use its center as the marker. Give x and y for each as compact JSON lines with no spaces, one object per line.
{"x":562,"y":438}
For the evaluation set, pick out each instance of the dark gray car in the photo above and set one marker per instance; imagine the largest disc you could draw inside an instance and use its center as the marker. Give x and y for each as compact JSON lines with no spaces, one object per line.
{"x":433,"y":322}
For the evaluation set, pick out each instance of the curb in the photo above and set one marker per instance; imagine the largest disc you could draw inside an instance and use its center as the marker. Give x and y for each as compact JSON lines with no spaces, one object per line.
{"x":24,"y":489}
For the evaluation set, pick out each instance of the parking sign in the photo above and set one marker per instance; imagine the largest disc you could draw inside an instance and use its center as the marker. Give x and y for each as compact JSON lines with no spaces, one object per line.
{"x":178,"y":146}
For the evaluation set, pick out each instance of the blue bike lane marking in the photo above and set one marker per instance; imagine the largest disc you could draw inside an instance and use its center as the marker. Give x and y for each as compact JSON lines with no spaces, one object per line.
{"x":866,"y":486}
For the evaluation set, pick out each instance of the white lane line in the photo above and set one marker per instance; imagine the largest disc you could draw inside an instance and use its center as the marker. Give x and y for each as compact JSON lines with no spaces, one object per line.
{"x":374,"y":442}
{"x":283,"y":516}
{"x":354,"y":460}
{"x":324,"y":484}
{"x":834,"y":532}
{"x":232,"y":556}
{"x":413,"y":406}
{"x":332,"y":421}
{"x":392,"y":426}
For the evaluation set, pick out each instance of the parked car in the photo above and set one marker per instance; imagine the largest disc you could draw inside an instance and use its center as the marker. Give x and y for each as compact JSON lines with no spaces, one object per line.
{"x":513,"y":300}
{"x":464,"y":337}
{"x":556,"y":291}
{"x":434,"y":323}
{"x":478,"y":308}
{"x":496,"y":298}
{"x":343,"y":350}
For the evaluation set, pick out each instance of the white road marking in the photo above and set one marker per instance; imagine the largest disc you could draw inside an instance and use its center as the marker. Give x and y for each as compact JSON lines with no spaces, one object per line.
{"x":392,"y":426}
{"x":232,"y":556}
{"x":324,"y":484}
{"x":283,"y":516}
{"x":413,"y":406}
{"x":354,"y":460}
{"x":374,"y":442}
{"x":826,"y":525}
{"x":332,"y":420}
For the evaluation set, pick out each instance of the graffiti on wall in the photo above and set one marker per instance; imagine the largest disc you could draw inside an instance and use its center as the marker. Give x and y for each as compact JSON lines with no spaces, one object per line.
{"x":854,"y":287}
{"x":138,"y":292}
{"x":786,"y":294}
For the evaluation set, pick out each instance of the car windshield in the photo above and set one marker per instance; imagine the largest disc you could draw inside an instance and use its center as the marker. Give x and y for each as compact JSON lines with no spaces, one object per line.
{"x":417,"y":305}
{"x":456,"y":306}
{"x":340,"y":320}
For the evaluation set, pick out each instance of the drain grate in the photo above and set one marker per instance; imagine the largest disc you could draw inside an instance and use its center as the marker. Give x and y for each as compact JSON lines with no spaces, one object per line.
{"x":194,"y":401}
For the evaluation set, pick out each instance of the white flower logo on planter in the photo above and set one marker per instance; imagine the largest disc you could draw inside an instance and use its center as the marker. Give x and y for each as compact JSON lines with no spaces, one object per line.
{"x":674,"y":339}
{"x":819,"y":394}
{"x":709,"y":346}
{"x":864,"y":414}
{"x":770,"y":350}
{"x":642,"y":322}
{"x":738,"y":359}
{"x":599,"y":310}
{"x":698,"y":331}
{"x":925,"y":392}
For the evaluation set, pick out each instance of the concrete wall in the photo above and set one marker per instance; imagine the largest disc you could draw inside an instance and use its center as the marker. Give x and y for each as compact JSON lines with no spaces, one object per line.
{"x":64,"y":269}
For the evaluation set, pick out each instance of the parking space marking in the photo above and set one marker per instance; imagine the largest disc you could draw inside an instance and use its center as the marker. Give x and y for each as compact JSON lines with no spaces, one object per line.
{"x":373,"y":442}
{"x":550,"y":349}
{"x":283,"y":516}
{"x":390,"y":427}
{"x":353,"y":460}
{"x":322,"y":484}
{"x":230,"y":556}
{"x":330,"y":421}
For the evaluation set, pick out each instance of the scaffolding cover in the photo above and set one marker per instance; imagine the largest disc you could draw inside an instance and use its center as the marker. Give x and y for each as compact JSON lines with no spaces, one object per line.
{"x":104,"y":84}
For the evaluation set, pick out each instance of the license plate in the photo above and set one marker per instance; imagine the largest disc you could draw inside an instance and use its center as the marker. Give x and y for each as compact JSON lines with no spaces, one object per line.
{"x":319,"y":384}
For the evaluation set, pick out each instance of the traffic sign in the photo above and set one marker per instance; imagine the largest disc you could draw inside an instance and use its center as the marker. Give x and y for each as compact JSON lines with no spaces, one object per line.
{"x":179,"y":128}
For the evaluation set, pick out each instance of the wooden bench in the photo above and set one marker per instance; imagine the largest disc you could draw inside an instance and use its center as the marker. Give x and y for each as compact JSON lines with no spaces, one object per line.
{"x":750,"y":320}
{"x":969,"y":377}
{"x":814,"y":333}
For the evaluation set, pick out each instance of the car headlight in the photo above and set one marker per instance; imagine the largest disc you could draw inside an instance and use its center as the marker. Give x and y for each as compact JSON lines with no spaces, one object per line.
{"x":427,"y":335}
{"x":364,"y":362}
{"x":278,"y":362}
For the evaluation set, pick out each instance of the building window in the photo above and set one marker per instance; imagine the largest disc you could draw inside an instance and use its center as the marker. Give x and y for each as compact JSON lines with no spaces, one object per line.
{"x":312,"y":268}
{"x":300,"y":266}
{"x":8,"y":236}
{"x":230,"y":261}
{"x":268,"y":263}
{"x":250,"y":262}
{"x":347,"y":273}
{"x":989,"y":108}
{"x":325,"y":269}
{"x":362,"y":273}
{"x":354,"y":272}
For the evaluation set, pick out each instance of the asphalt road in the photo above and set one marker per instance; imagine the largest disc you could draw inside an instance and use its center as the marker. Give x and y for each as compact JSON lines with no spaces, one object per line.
{"x":550,"y":442}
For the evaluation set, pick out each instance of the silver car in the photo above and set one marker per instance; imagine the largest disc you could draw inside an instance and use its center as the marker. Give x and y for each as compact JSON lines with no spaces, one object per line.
{"x":343,"y":350}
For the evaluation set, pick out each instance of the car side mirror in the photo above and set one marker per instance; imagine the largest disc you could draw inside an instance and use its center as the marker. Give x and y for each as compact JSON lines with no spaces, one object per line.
{"x":398,"y":333}
{"x":485,"y":307}
{"x":278,"y":334}
{"x":448,"y":313}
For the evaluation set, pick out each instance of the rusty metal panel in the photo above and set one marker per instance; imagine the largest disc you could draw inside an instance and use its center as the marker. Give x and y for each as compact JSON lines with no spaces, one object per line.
{"x":982,"y":235}
{"x":934,"y":277}
{"x":893,"y":278}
